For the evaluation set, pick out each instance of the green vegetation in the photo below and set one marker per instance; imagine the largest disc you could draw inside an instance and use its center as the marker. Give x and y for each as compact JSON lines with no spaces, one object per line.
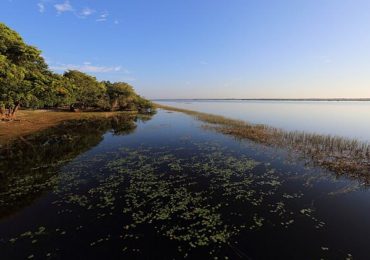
{"x":26,"y":81}
{"x":26,"y":174}
{"x":200,"y":195}
{"x":340,"y":155}
{"x":195,"y":205}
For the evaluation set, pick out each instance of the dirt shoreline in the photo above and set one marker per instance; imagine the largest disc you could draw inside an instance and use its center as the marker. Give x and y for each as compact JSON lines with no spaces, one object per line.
{"x":31,"y":121}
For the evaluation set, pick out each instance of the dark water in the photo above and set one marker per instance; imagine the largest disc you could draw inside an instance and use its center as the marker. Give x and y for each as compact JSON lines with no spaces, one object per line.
{"x":166,"y":188}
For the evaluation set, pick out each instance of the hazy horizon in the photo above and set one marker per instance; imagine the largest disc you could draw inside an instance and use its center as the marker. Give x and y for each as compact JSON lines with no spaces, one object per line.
{"x":277,"y":98}
{"x":206,"y":49}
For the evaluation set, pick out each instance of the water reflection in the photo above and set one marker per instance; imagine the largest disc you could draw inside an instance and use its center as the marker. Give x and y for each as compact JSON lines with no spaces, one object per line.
{"x":347,"y":119}
{"x":173,"y":190}
{"x":28,"y":164}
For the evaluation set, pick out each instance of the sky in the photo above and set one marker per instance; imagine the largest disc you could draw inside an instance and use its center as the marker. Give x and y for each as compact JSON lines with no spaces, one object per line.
{"x":206,"y":48}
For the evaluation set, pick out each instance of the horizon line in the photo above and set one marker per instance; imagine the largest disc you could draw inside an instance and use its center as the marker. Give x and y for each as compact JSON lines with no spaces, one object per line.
{"x":269,"y":99}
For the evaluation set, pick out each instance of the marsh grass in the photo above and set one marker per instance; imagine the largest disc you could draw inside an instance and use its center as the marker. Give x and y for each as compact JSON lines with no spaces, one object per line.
{"x":337,"y":154}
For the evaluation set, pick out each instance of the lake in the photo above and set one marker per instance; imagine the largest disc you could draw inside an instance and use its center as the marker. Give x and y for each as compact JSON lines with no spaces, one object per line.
{"x":165,"y":186}
{"x":343,"y":118}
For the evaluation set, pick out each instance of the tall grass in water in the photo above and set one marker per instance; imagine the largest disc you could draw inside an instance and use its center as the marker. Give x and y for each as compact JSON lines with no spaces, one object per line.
{"x":337,"y":154}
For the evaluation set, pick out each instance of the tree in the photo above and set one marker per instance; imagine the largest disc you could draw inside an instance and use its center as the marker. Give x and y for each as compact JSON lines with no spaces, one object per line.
{"x":57,"y":93}
{"x":26,"y":80}
{"x":122,"y":96}
{"x":144,"y":105}
{"x":22,"y":69}
{"x":87,"y":91}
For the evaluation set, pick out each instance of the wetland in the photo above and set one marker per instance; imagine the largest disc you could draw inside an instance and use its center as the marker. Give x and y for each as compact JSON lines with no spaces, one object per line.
{"x":174,"y":185}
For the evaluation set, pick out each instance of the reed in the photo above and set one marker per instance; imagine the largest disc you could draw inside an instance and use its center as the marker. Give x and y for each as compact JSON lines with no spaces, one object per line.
{"x":344,"y":156}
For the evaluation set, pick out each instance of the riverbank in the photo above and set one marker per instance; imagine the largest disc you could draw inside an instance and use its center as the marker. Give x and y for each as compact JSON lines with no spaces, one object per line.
{"x":31,"y":121}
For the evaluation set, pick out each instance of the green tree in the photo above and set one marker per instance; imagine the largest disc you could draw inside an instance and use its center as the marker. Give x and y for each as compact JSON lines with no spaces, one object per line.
{"x":122,"y":96}
{"x":22,"y":69}
{"x":57,"y":93}
{"x":87,"y":91}
{"x":26,"y":80}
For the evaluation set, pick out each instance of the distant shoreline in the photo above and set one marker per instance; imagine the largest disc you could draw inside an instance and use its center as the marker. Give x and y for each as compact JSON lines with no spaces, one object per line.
{"x":263,"y":99}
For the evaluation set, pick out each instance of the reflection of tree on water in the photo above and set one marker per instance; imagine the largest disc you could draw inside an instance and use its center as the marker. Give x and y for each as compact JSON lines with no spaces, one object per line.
{"x":28,"y":165}
{"x":125,"y":126}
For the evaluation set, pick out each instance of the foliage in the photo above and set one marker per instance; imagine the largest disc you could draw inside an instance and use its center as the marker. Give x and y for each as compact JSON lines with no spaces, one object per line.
{"x":22,"y":71}
{"x":342,"y":156}
{"x":123,"y":97}
{"x":55,"y":146}
{"x":25,"y":80}
{"x":86,"y":89}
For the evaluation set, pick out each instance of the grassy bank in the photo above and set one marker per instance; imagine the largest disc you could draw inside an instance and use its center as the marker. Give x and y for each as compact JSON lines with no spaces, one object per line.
{"x":30,"y":121}
{"x":340,"y":155}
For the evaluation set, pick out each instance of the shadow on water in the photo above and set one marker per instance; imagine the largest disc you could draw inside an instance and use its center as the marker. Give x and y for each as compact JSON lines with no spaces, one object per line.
{"x":28,"y":163}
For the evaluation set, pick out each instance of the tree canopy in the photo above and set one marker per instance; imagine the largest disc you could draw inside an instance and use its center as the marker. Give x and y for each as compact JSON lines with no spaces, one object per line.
{"x":25,"y":80}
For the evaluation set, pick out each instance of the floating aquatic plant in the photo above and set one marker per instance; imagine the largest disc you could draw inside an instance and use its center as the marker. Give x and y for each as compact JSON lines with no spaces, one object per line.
{"x":343,"y":156}
{"x":200,"y":198}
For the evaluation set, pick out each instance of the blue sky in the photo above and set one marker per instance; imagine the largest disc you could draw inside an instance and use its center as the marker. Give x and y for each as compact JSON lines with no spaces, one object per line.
{"x":205,"y":48}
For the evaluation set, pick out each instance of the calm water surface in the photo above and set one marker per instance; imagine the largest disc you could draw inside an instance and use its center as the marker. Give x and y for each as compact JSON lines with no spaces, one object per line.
{"x":167,"y":188}
{"x":348,"y":119}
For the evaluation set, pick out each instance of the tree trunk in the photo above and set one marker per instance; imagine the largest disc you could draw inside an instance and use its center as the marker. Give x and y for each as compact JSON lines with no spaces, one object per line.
{"x":114,"y":105}
{"x":2,"y":113}
{"x":7,"y":113}
{"x":14,"y":110}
